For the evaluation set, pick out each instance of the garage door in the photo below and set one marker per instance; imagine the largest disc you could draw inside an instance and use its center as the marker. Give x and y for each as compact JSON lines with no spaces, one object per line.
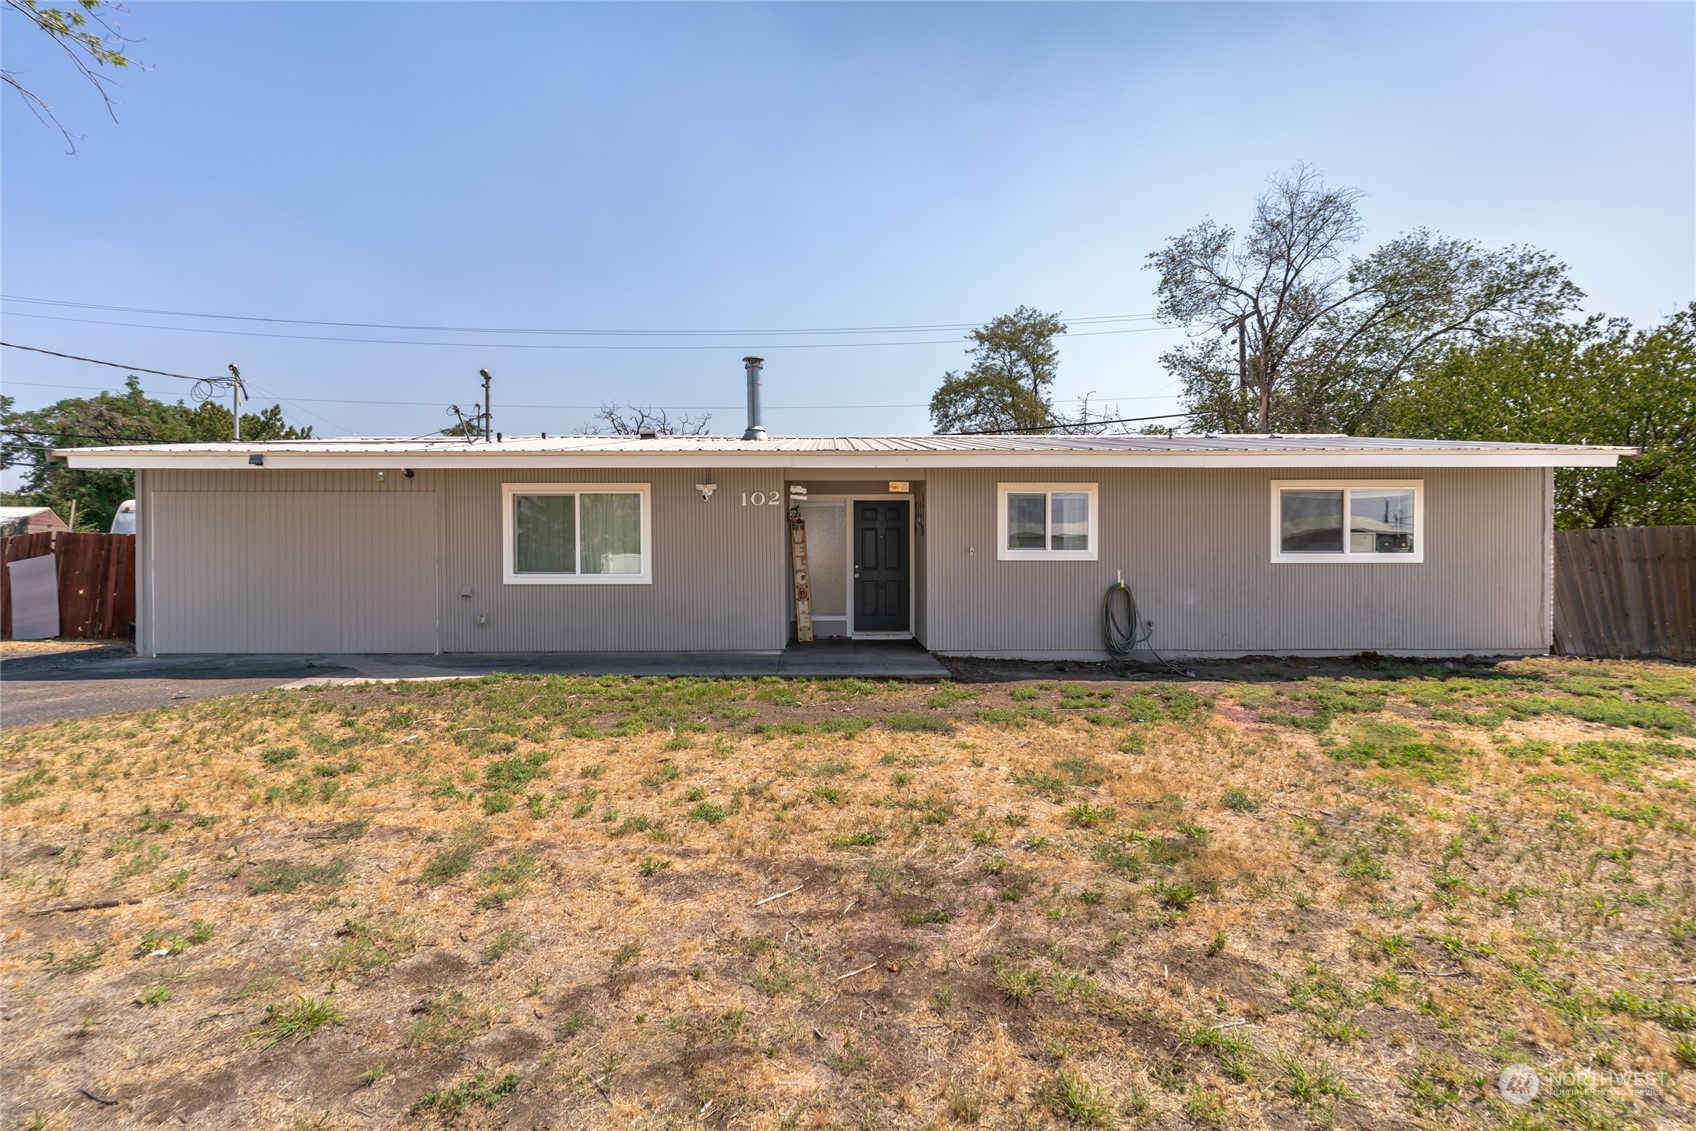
{"x":308,"y":571}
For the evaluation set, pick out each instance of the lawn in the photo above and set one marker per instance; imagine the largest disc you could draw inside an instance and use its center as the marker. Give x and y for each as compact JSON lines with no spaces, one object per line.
{"x":1341,"y":895}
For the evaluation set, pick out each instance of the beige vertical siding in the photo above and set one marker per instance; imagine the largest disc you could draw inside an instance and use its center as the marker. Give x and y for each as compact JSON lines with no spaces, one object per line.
{"x":1194,"y":545}
{"x":198,"y":570}
{"x":720,"y":571}
{"x":143,"y":587}
{"x":720,"y":567}
{"x":294,"y":571}
{"x":389,"y":572}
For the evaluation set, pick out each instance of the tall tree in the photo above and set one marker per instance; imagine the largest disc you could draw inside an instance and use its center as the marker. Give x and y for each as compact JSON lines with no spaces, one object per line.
{"x":1013,"y":362}
{"x":1290,"y":332}
{"x":89,"y":38}
{"x":128,"y":417}
{"x":1593,"y":382}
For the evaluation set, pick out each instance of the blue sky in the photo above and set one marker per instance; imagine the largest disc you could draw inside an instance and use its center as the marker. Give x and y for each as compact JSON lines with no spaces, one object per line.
{"x":728,"y":167}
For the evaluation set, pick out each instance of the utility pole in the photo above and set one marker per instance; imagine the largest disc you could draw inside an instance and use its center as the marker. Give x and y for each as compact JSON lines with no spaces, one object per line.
{"x":1242,"y":351}
{"x":488,"y":406}
{"x":1241,"y":324}
{"x":235,"y":396}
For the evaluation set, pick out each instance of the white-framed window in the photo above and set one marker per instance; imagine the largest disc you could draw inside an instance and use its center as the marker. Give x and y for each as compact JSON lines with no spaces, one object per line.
{"x":576,"y":534}
{"x":1047,"y":522}
{"x":1326,"y":520}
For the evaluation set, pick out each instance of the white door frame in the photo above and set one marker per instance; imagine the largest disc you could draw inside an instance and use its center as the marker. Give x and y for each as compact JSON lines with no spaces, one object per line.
{"x":912,"y":573}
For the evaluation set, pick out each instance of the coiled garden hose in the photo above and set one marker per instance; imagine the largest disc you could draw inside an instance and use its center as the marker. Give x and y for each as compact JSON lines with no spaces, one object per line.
{"x":1122,"y":636}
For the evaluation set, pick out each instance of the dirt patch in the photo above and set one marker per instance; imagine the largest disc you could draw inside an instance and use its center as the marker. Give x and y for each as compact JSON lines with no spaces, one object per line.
{"x":434,"y":968}
{"x":1252,"y":985}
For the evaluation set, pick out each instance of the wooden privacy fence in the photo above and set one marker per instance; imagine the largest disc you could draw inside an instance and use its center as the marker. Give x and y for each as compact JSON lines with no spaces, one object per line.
{"x":96,"y":581}
{"x":1628,"y":592}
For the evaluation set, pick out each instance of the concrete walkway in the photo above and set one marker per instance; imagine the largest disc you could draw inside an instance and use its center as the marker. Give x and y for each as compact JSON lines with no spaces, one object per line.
{"x":41,"y":688}
{"x":861,"y":661}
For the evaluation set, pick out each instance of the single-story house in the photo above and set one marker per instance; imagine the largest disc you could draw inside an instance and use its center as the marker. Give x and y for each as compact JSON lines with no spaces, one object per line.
{"x":29,"y":520}
{"x":997,"y":546}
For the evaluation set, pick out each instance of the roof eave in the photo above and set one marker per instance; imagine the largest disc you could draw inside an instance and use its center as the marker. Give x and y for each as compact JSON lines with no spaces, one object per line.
{"x":230,"y":459}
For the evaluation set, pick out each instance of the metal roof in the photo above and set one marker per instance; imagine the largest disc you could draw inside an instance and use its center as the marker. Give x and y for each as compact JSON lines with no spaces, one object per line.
{"x":1273,"y":450}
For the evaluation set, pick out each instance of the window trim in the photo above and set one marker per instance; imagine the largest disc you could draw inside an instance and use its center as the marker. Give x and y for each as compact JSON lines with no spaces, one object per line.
{"x":509,"y":545}
{"x":1004,"y":554}
{"x":1348,"y":487}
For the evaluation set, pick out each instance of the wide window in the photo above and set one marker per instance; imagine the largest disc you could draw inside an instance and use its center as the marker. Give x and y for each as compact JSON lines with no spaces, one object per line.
{"x":1047,"y":522}
{"x":1327,"y":521}
{"x":576,"y":534}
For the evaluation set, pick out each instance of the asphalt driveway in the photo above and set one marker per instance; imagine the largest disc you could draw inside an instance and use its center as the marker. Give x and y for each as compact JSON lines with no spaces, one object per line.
{"x":71,"y":685}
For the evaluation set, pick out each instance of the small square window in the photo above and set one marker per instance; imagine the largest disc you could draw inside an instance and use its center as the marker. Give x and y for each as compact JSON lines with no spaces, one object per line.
{"x":1047,"y":522}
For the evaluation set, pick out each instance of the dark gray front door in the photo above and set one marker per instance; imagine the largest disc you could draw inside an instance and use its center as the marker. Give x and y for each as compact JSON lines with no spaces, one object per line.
{"x":881,"y":566}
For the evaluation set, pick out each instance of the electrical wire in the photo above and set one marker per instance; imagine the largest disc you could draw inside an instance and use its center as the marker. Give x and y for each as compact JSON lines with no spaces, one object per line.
{"x":266,"y":394}
{"x":1063,"y":425}
{"x":113,"y":364}
{"x":535,"y":346}
{"x":27,"y":432}
{"x":591,"y":407}
{"x":935,"y":327}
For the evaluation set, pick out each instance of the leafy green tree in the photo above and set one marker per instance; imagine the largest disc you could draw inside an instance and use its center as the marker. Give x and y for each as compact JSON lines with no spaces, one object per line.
{"x":1013,"y":363}
{"x":1289,"y":332}
{"x":27,"y":438}
{"x":91,"y":41}
{"x":1592,"y":382}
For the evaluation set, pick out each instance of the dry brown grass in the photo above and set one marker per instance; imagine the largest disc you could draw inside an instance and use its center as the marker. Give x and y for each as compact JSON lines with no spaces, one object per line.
{"x":1007,"y":921}
{"x":54,"y":647}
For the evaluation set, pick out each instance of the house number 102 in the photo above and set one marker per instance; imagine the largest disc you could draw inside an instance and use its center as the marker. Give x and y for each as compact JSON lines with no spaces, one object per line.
{"x":763,"y":499}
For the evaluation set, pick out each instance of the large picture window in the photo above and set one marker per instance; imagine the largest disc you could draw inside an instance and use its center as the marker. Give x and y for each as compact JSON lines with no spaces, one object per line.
{"x":576,"y":534}
{"x":1047,"y":522}
{"x":1329,"y":521}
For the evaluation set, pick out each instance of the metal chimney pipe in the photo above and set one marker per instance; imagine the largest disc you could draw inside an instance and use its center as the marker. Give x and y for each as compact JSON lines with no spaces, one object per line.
{"x":755,"y":430}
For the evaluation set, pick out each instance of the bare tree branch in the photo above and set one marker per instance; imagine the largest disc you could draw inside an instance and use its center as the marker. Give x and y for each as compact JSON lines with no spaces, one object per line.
{"x":633,"y":420}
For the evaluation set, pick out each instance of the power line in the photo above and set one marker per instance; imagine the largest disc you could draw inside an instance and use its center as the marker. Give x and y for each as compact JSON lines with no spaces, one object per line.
{"x":935,"y":327}
{"x":1064,"y":424}
{"x":27,"y":432}
{"x":539,"y":346}
{"x":84,"y":388}
{"x":592,"y":407}
{"x":111,"y":364}
{"x":209,"y":381}
{"x":281,"y":401}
